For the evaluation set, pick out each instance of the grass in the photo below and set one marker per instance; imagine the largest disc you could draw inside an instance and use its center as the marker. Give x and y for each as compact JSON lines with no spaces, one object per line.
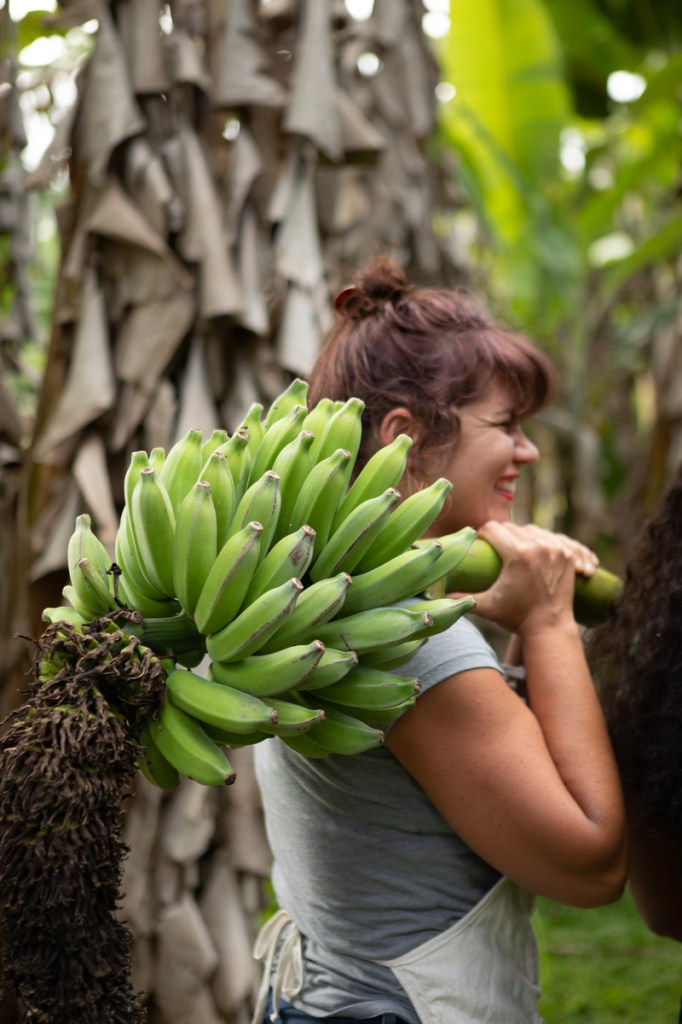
{"x":604,"y":966}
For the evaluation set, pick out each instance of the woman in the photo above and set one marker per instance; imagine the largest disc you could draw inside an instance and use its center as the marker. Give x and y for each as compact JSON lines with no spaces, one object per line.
{"x":637,"y":656}
{"x":404,"y":875}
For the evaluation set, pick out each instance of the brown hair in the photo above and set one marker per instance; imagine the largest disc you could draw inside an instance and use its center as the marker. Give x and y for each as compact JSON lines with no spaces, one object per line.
{"x":431,"y":350}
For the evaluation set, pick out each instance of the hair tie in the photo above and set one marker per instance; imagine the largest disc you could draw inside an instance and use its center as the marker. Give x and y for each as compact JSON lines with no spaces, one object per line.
{"x":346,"y":299}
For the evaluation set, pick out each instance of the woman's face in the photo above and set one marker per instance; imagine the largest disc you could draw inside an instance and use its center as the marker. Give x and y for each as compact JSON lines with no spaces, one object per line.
{"x":488,"y":456}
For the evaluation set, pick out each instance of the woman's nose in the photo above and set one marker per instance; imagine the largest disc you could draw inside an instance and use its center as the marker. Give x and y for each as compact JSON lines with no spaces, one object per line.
{"x":524,"y":449}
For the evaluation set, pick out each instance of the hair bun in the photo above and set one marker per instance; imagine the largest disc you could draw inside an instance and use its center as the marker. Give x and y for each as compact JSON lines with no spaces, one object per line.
{"x":381,"y":282}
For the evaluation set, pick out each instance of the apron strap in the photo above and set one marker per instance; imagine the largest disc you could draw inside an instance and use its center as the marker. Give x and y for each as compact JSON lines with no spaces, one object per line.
{"x":279,"y":935}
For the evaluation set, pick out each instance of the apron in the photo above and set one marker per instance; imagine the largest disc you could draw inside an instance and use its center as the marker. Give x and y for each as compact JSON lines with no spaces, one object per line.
{"x":482,"y":970}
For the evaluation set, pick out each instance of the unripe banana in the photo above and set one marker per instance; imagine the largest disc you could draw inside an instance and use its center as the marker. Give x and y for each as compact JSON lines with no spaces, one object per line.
{"x":64,"y":613}
{"x":138,"y":460}
{"x":91,"y":586}
{"x":253,"y":426}
{"x":320,"y":495}
{"x":181,"y":468}
{"x":389,"y":658}
{"x":226,"y":738}
{"x":318,"y":417}
{"x":302,"y":744}
{"x":153,"y":524}
{"x":215,"y":439}
{"x":295,"y":394}
{"x":406,"y":575}
{"x":366,"y":687}
{"x":184,"y":743}
{"x":157,"y":457}
{"x":261,"y":503}
{"x":216,"y":472}
{"x":315,"y":606}
{"x":292,"y":718}
{"x":406,"y":524}
{"x":275,"y":438}
{"x":135,"y":580}
{"x":195,"y":545}
{"x":444,"y":611}
{"x":154,"y":766}
{"x":384,"y":469}
{"x":84,"y":543}
{"x":341,"y":733}
{"x":332,"y":666}
{"x":247,"y":633}
{"x":383,"y":627}
{"x":135,"y":600}
{"x":84,"y":611}
{"x":268,"y":675}
{"x":379,"y":718}
{"x":342,"y":430}
{"x":236,"y":451}
{"x":289,"y":557}
{"x":228,"y":579}
{"x":218,"y":704}
{"x":351,"y":539}
{"x":292,"y":465}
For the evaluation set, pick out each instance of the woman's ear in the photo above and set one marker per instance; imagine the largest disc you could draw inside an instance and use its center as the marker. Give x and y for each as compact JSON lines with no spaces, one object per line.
{"x":398,"y":421}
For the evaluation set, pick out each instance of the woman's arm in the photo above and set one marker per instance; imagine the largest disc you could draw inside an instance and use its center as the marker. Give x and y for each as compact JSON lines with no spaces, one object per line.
{"x":532,"y":788}
{"x":655,"y":877}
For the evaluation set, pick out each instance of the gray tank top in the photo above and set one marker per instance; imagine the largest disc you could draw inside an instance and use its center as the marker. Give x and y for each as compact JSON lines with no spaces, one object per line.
{"x":363,"y":862}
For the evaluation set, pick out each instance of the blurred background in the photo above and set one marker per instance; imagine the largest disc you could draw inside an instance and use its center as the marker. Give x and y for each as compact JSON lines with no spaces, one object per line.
{"x":183,"y":188}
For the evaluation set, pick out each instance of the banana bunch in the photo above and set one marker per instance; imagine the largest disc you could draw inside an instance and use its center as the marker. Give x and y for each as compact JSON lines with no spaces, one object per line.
{"x":292,"y":579}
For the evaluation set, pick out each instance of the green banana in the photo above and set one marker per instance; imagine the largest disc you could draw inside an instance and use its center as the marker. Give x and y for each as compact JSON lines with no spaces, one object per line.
{"x":295,"y":394}
{"x":195,"y":545}
{"x":187,"y":747}
{"x":255,"y":624}
{"x":292,"y":465}
{"x":389,"y":658}
{"x":216,"y":472}
{"x":228,"y":579}
{"x":236,"y":451}
{"x":260,"y":503}
{"x":64,"y":613}
{"x":157,"y":457}
{"x":444,"y":611}
{"x":91,"y":585}
{"x":292,"y":718}
{"x":218,"y":704}
{"x":268,"y":675}
{"x":135,"y":580}
{"x":379,"y":718}
{"x":384,"y":469}
{"x":320,"y":494}
{"x":181,"y":467}
{"x":138,"y":460}
{"x":253,"y":426}
{"x":351,"y":538}
{"x":152,"y":520}
{"x":366,"y":687}
{"x":383,"y":627}
{"x":154,"y":765}
{"x":302,"y":744}
{"x":146,"y":606}
{"x":213,"y":441}
{"x":275,"y":437}
{"x":315,"y":606}
{"x":406,"y":524}
{"x":342,"y":733}
{"x":84,"y":611}
{"x":332,"y":666}
{"x":456,"y":549}
{"x":342,"y":430}
{"x":288,"y":557}
{"x":319,"y":415}
{"x":227,"y":738}
{"x":84,"y":543}
{"x":403,"y":576}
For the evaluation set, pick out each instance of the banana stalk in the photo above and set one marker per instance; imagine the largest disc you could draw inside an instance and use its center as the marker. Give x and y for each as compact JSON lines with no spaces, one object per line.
{"x":595,"y":596}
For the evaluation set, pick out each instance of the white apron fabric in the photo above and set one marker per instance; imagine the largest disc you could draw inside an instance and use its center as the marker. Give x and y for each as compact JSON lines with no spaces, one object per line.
{"x":482,"y":970}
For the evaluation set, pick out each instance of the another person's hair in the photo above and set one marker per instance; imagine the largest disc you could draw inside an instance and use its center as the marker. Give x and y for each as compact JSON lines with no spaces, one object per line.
{"x":636,"y":657}
{"x":432,"y":350}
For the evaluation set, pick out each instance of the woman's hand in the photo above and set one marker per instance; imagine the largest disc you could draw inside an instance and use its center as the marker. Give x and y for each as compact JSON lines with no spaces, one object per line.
{"x":535,"y":588}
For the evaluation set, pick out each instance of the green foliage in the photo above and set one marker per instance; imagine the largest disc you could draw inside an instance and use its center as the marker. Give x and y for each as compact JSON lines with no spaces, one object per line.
{"x":604,"y":966}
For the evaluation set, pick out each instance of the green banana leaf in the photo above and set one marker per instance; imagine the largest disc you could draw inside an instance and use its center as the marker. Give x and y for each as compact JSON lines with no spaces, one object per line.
{"x":511,"y":103}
